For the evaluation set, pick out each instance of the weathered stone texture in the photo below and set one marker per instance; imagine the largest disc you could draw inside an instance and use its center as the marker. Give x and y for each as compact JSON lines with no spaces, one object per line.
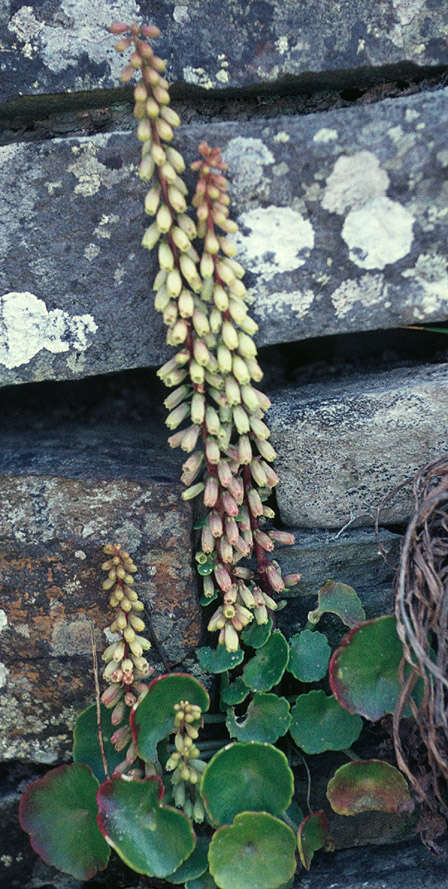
{"x":344,"y":446}
{"x":62,"y":45}
{"x":342,"y":219}
{"x":53,"y":531}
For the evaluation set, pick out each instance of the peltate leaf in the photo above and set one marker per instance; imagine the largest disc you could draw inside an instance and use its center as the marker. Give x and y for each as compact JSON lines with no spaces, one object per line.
{"x":267,"y":719}
{"x":266,"y":668}
{"x":364,"y":670}
{"x":59,"y":812}
{"x":311,"y":836}
{"x":194,"y":866}
{"x":150,"y":838}
{"x":340,"y":599}
{"x":154,"y":717}
{"x":246,"y":777}
{"x":235,"y":693}
{"x":256,"y":635}
{"x":218,"y":660}
{"x":319,"y":723}
{"x":363,"y":785}
{"x":85,"y":741}
{"x":255,"y":852}
{"x":309,"y":655}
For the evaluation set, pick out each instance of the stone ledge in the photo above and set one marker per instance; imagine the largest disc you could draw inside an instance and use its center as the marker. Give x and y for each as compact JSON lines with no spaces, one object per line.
{"x":64,"y":47}
{"x":343,"y":227}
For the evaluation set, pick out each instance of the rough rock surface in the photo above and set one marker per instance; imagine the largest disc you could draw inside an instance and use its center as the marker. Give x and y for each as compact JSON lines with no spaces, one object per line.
{"x":342,"y":219}
{"x":61,"y":45}
{"x":53,"y":531}
{"x":344,"y":446}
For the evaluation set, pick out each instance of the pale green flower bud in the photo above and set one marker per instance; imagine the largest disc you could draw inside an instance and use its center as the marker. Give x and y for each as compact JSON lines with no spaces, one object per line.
{"x":170,"y":314}
{"x":246,"y":347}
{"x":197,"y":408}
{"x":193,"y":491}
{"x":152,"y":108}
{"x":166,"y":258}
{"x":215,"y":382}
{"x":228,"y":247}
{"x":188,"y":268}
{"x":164,"y":219}
{"x":175,"y":377}
{"x":212,"y":421}
{"x":186,"y":304}
{"x":212,"y":451}
{"x":186,"y":224}
{"x":201,"y":352}
{"x":220,"y":298}
{"x":146,"y":168}
{"x":174,"y":283}
{"x":200,"y":322}
{"x":164,"y":130}
{"x":248,"y":325}
{"x":179,"y":332}
{"x":177,"y":416}
{"x":255,"y":503}
{"x":227,"y":225}
{"x":229,"y":335}
{"x":182,"y":357}
{"x":231,"y":639}
{"x":180,"y":239}
{"x":176,"y":397}
{"x":241,"y":420}
{"x":158,"y":155}
{"x":224,"y":357}
{"x":151,"y":236}
{"x":244,"y":450}
{"x":261,"y":614}
{"x":168,"y":173}
{"x":180,"y":185}
{"x":238,"y":270}
{"x":170,"y":116}
{"x":193,"y":254}
{"x":224,"y":272}
{"x":162,"y":95}
{"x":238,"y":310}
{"x":224,"y":436}
{"x":197,"y":373}
{"x":240,"y":370}
{"x":176,"y":199}
{"x":237,"y":288}
{"x":152,"y":199}
{"x":259,"y":428}
{"x":175,"y":158}
{"x":207,"y":266}
{"x":254,"y":369}
{"x":144,"y":131}
{"x":159,"y":279}
{"x":161,"y":299}
{"x":207,"y":290}
{"x":266,"y":450}
{"x":258,"y":473}
{"x":211,"y":242}
{"x":215,"y":319}
{"x":232,"y":391}
{"x":249,"y":396}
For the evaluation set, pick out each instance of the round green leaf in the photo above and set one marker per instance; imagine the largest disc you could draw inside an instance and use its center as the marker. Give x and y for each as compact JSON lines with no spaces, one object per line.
{"x":217,"y":660}
{"x":194,"y":866}
{"x":363,"y":785}
{"x":309,"y":655}
{"x":340,"y":599}
{"x":319,"y":723}
{"x":364,"y":670}
{"x":241,"y":777}
{"x":154,"y":717}
{"x":256,"y":635}
{"x":266,"y":668}
{"x":59,"y":812}
{"x":85,"y":741}
{"x":235,"y":693}
{"x":205,"y":881}
{"x":150,"y":838}
{"x":311,"y":836}
{"x":255,"y":852}
{"x":267,"y":719}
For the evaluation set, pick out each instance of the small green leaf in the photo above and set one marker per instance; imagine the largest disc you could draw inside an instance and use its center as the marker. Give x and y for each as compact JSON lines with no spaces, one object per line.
{"x":266,"y":668}
{"x":59,"y":812}
{"x":218,"y":660}
{"x":246,"y":777}
{"x":364,"y":670}
{"x":256,"y":635}
{"x":309,"y":655}
{"x":205,"y":881}
{"x":267,"y":719}
{"x":207,"y":600}
{"x":150,"y":838}
{"x":312,"y":835}
{"x":255,"y":852}
{"x":154,"y":717}
{"x":85,"y":741}
{"x":366,"y":785}
{"x":194,"y":866}
{"x":340,"y":599}
{"x":235,"y":693}
{"x":319,"y":723}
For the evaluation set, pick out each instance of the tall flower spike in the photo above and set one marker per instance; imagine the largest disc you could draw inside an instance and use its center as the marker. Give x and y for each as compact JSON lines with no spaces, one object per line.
{"x":216,"y":412}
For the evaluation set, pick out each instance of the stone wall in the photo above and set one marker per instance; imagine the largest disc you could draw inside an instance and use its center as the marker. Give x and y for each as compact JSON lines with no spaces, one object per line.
{"x":331,"y":118}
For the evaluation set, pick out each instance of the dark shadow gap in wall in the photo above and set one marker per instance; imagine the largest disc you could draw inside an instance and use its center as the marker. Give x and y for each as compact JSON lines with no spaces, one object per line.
{"x":34,"y":118}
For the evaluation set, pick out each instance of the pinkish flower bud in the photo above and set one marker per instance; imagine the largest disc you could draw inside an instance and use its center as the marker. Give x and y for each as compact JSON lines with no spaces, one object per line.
{"x":275,"y":579}
{"x":190,"y":438}
{"x":236,"y":488}
{"x":226,"y":550}
{"x":229,"y":503}
{"x":121,"y":737}
{"x":242,"y":547}
{"x":258,"y":473}
{"x":231,"y":529}
{"x":217,"y":621}
{"x":255,"y":503}
{"x":118,"y":28}
{"x":246,"y":595}
{"x":212,"y":422}
{"x":207,"y":540}
{"x":223,"y":578}
{"x":271,"y":476}
{"x":282,"y":537}
{"x":212,"y":450}
{"x":211,"y":491}
{"x":291,"y":579}
{"x":111,"y":695}
{"x":263,"y":540}
{"x":118,"y":713}
{"x":215,"y":523}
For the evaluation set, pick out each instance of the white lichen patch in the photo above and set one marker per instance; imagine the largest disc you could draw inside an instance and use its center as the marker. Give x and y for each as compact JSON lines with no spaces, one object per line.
{"x":355,"y":179}
{"x":89,"y":171}
{"x":281,"y":45}
{"x":3,"y":620}
{"x":281,"y":137}
{"x":3,"y":675}
{"x":379,"y":233}
{"x":247,"y":158}
{"x":369,"y":290}
{"x":27,"y":327}
{"x":294,"y":303}
{"x":26,"y":28}
{"x":406,"y":10}
{"x":431,"y":274}
{"x":325,"y":134}
{"x":71,"y":637}
{"x":279,"y":240}
{"x":181,"y":15}
{"x":91,"y":251}
{"x":198,"y":76}
{"x":222,"y":75}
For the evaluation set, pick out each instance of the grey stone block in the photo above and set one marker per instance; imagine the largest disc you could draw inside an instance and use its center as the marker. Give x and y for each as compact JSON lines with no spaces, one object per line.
{"x":344,"y":446}
{"x":343,"y":227}
{"x":216,"y":44}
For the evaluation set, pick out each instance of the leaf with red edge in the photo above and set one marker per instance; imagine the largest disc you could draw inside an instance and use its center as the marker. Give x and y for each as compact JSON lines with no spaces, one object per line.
{"x":366,"y":785}
{"x":59,"y":812}
{"x":363,"y":672}
{"x":151,"y":838}
{"x":153,"y":719}
{"x":312,"y":835}
{"x":340,"y":599}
